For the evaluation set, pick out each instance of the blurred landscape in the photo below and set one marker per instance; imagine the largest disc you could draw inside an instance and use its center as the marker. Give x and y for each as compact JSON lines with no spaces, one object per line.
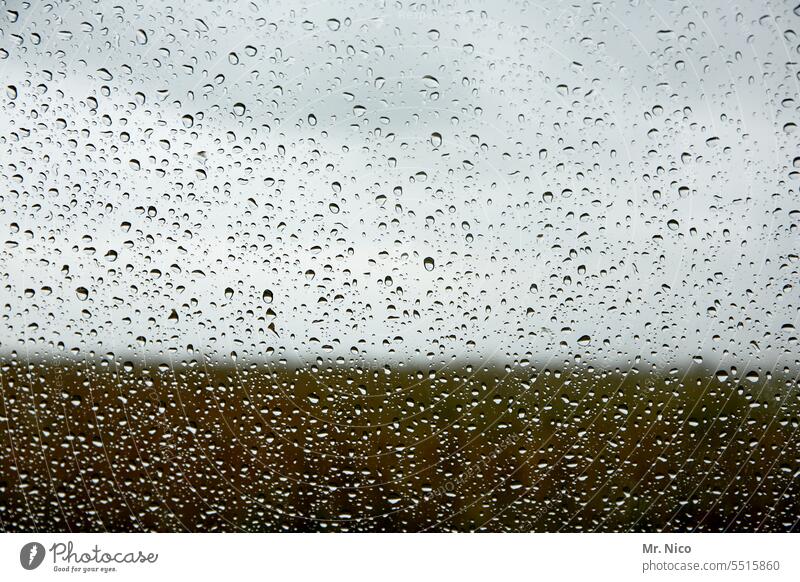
{"x":195,"y":446}
{"x":399,"y":266}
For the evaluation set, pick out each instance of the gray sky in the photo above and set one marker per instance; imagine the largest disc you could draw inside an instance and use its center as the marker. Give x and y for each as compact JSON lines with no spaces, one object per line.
{"x":611,"y":180}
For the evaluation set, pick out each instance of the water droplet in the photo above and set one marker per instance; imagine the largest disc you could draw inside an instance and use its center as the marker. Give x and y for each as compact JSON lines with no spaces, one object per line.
{"x":430,"y":81}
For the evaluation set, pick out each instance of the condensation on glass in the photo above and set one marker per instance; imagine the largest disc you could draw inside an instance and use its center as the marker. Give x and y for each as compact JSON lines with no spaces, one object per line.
{"x":393,"y":266}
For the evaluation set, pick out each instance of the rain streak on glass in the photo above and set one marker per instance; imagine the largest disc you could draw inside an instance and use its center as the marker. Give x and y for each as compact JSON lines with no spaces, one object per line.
{"x":385,"y":266}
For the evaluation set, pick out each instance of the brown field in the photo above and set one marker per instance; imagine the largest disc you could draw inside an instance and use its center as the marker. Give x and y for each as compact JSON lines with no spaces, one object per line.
{"x":106,"y":446}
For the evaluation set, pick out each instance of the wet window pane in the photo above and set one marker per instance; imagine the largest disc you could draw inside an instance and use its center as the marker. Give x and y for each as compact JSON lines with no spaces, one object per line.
{"x":383,"y":266}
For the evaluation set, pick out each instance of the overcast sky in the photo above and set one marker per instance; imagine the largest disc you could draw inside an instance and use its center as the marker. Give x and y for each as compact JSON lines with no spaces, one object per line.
{"x":611,"y":181}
